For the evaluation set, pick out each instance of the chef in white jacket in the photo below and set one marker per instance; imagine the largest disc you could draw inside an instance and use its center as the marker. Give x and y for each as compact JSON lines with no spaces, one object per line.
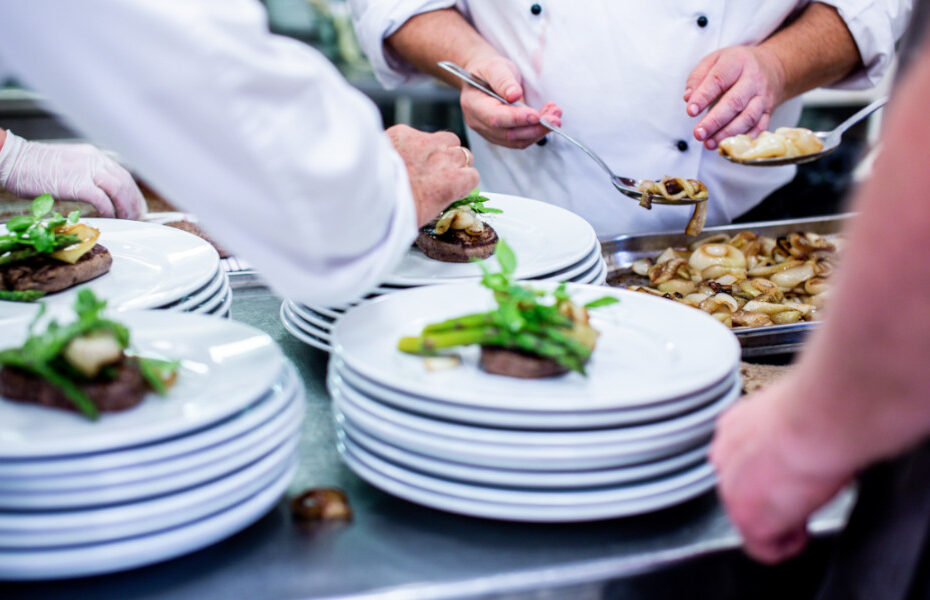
{"x":257,"y":134}
{"x":634,"y":81}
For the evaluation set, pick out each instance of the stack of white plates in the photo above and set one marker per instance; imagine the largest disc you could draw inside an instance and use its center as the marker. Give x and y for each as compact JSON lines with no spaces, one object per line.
{"x":153,"y":267}
{"x":551,"y":244}
{"x":630,"y":437}
{"x":170,"y":476}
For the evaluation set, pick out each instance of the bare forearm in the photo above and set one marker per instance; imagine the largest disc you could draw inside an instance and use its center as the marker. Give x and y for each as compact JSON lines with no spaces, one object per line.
{"x":439,"y":35}
{"x":864,"y":383}
{"x":816,"y":49}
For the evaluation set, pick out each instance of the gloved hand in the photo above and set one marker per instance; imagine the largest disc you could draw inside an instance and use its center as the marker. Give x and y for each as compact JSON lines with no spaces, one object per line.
{"x":69,"y":172}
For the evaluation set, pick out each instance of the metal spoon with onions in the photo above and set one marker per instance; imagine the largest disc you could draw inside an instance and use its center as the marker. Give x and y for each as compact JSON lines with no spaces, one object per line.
{"x":625,"y":185}
{"x":830,"y":139}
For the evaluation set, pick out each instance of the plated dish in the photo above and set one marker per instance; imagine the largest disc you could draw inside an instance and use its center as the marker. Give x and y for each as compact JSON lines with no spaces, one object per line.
{"x":44,"y":253}
{"x":459,"y":234}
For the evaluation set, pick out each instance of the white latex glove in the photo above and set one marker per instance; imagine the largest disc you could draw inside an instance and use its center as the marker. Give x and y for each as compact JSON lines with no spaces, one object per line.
{"x":69,"y":172}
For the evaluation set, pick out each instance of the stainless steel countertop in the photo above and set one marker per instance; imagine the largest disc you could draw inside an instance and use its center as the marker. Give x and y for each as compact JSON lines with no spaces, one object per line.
{"x":395,"y":549}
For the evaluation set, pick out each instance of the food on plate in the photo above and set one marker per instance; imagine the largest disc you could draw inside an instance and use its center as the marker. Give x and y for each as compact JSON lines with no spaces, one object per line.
{"x":784,"y":142}
{"x":83,"y":365}
{"x":44,"y":253}
{"x":745,"y":280}
{"x":677,"y":188}
{"x":194,"y":228}
{"x":530,"y":334}
{"x":460,"y":234}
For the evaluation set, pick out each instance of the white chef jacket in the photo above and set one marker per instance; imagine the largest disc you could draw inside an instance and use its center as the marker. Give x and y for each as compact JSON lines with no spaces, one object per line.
{"x":257,"y":134}
{"x":618,"y":70}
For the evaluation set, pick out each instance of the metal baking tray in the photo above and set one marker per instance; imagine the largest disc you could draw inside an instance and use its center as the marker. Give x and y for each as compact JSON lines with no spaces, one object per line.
{"x":622,"y":251}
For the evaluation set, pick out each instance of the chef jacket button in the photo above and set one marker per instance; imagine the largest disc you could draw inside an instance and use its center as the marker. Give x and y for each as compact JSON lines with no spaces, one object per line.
{"x":542,"y":142}
{"x":536,"y":9}
{"x":702,"y":21}
{"x":682,"y":145}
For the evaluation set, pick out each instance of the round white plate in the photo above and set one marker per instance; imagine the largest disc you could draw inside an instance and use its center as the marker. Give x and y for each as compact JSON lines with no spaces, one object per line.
{"x":294,"y":330}
{"x":332,"y":313}
{"x":544,"y":237}
{"x":302,"y":310}
{"x":523,"y":479}
{"x":527,"y":419}
{"x":168,"y":452}
{"x":588,"y":276}
{"x":650,"y":350}
{"x":152,"y":266}
{"x":208,"y":292}
{"x":96,"y":559}
{"x":524,"y":513}
{"x":576,"y":270}
{"x":137,"y":481}
{"x":212,"y":305}
{"x":511,"y":495}
{"x":308,"y":317}
{"x":41,"y":530}
{"x":530,"y":458}
{"x":225,"y":366}
{"x":560,"y":441}
{"x":91,"y":496}
{"x":308,"y":328}
{"x":223,"y":310}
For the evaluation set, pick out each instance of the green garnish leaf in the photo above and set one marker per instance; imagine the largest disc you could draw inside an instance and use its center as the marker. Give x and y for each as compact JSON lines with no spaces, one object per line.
{"x":605,"y":301}
{"x":42,"y":205}
{"x":73,"y":216}
{"x":506,"y":258}
{"x":20,"y":223}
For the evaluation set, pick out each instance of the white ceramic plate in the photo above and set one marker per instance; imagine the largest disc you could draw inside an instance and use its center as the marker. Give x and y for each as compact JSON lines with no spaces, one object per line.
{"x":162,"y":454}
{"x":223,"y":310}
{"x":650,"y":350}
{"x":213,"y":289}
{"x":523,"y":479}
{"x":297,"y":332}
{"x":225,"y":366}
{"x":524,"y":513}
{"x":544,"y":441}
{"x":139,"y":481}
{"x":152,"y":266}
{"x":214,"y":304}
{"x":96,"y":559}
{"x":71,"y":528}
{"x":530,"y":458}
{"x":525,"y":419}
{"x":544,"y":237}
{"x":307,"y":316}
{"x":308,"y":328}
{"x":92,"y":496}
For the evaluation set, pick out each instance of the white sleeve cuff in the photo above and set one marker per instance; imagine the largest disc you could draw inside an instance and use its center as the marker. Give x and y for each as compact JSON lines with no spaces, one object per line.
{"x":876,"y":25}
{"x":375,"y":21}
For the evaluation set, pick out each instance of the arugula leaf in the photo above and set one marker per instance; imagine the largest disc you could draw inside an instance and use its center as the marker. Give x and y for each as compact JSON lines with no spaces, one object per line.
{"x":73,"y":216}
{"x":605,"y":301}
{"x":475,"y":201}
{"x":158,"y":372}
{"x":506,"y":258}
{"x":20,"y":223}
{"x":42,"y":205}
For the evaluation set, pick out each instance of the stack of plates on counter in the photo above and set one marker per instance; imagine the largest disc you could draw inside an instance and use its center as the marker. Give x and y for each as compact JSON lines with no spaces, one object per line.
{"x":153,"y":267}
{"x":628,"y":438}
{"x":551,"y":244}
{"x":169,"y":476}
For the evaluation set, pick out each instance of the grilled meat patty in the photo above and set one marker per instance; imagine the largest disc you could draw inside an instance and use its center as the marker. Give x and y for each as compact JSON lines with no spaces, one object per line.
{"x":125,"y":391}
{"x":455,"y":245}
{"x":516,"y":363}
{"x":50,"y":275}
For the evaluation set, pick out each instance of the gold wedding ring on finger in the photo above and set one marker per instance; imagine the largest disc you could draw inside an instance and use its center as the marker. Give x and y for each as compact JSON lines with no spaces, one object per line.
{"x":468,"y":156}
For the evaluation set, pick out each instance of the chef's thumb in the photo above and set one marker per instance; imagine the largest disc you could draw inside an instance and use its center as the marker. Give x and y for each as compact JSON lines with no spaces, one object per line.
{"x":503,"y":81}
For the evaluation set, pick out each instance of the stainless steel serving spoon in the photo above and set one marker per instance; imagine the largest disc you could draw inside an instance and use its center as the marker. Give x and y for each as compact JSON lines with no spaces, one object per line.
{"x":625,"y":185}
{"x":831,"y":140}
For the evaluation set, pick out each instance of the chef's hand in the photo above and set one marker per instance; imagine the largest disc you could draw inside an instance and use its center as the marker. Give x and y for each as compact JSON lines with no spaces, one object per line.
{"x":510,"y":126}
{"x":767,"y":482}
{"x":438,"y":167}
{"x":69,"y":172}
{"x":742,"y":85}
